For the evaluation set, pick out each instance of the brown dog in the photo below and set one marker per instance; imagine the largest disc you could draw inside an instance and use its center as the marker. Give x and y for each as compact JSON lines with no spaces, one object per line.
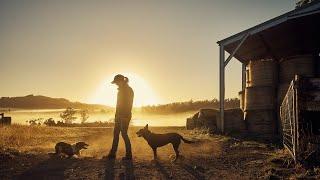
{"x":158,"y":140}
{"x":70,"y":150}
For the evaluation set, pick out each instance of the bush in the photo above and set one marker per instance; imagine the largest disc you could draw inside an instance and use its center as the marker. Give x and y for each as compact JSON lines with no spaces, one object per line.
{"x":35,"y":122}
{"x":49,"y":122}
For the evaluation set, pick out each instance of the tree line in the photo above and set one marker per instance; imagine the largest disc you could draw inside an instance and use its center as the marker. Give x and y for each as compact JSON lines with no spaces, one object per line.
{"x":191,"y":105}
{"x":68,"y":118}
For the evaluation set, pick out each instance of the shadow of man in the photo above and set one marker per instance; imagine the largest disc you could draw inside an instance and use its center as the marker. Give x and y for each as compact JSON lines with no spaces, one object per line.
{"x":109,"y":169}
{"x":129,"y":169}
{"x":52,"y":168}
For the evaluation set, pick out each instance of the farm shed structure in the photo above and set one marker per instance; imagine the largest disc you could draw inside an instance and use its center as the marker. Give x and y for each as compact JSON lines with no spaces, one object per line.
{"x":290,"y":35}
{"x":4,"y":120}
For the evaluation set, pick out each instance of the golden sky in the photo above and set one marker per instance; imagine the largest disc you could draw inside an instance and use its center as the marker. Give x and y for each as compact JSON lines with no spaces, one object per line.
{"x":167,"y":48}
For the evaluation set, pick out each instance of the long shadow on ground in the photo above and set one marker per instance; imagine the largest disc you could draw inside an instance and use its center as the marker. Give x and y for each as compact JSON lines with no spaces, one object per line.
{"x":127,"y":172}
{"x":52,"y":168}
{"x":109,"y":169}
{"x":129,"y":169}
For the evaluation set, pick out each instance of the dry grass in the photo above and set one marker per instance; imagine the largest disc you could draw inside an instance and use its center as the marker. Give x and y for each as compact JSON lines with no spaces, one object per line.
{"x":281,"y":165}
{"x":221,"y":156}
{"x":43,"y":139}
{"x":39,"y":138}
{"x":18,"y":136}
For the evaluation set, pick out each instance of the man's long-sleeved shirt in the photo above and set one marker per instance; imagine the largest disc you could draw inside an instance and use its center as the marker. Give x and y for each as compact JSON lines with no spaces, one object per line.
{"x":124,"y":102}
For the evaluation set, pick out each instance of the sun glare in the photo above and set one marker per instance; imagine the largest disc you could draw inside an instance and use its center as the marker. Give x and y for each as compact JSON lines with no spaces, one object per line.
{"x":106,"y":93}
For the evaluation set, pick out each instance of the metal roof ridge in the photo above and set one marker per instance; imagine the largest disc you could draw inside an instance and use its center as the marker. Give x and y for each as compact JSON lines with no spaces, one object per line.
{"x":282,"y":18}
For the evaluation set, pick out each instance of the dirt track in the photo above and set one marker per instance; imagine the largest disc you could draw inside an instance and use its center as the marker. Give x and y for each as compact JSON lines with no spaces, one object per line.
{"x":211,"y":157}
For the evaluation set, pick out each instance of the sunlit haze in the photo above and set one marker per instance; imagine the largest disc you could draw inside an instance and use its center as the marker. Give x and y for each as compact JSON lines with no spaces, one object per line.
{"x":167,"y":48}
{"x":144,"y":94}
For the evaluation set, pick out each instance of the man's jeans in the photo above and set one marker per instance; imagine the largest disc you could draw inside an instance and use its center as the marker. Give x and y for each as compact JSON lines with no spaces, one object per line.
{"x":121,"y":125}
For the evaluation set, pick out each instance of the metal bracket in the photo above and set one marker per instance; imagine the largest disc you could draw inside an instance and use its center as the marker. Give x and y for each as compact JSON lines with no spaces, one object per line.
{"x":234,"y":51}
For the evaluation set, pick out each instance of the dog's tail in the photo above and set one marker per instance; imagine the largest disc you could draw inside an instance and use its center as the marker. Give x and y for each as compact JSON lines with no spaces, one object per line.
{"x":185,"y":140}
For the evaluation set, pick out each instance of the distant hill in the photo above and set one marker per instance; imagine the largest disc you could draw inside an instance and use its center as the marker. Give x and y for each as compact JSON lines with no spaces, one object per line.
{"x":43,"y":102}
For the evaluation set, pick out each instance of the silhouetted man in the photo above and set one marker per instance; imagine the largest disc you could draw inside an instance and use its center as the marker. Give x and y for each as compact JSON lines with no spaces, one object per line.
{"x":122,"y":116}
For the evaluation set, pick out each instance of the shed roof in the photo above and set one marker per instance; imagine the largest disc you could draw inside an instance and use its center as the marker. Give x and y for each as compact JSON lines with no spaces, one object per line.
{"x":295,"y":32}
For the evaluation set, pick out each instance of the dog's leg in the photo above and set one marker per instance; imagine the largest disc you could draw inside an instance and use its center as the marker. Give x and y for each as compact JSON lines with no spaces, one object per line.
{"x":176,"y":150}
{"x":155,"y":157}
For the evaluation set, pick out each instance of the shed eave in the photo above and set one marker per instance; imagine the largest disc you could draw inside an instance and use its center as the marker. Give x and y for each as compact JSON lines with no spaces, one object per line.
{"x":312,"y":8}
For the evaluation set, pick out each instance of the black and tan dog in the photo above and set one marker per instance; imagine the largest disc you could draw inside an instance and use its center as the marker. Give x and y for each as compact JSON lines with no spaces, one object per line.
{"x":158,"y":140}
{"x":70,"y":150}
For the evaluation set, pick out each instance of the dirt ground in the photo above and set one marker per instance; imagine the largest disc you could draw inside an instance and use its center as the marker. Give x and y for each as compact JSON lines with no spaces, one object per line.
{"x":211,"y":157}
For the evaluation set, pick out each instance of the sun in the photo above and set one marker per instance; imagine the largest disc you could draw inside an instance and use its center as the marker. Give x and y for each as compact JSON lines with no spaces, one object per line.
{"x":106,"y":93}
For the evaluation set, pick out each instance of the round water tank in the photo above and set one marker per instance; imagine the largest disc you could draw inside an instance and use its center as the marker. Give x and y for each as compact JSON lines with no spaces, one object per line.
{"x":261,"y":123}
{"x":301,"y":65}
{"x":262,"y":97}
{"x":262,"y":73}
{"x":282,"y":91}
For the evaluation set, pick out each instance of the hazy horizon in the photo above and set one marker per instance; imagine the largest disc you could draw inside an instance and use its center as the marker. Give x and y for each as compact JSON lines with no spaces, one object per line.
{"x":159,"y":104}
{"x":72,"y":49}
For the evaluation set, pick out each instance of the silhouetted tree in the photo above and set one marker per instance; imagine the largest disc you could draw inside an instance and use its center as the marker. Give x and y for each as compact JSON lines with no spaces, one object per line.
{"x":68,"y":115}
{"x":84,"y":115}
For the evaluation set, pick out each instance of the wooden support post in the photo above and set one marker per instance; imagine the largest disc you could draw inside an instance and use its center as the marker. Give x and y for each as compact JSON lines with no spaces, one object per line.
{"x":223,"y":64}
{"x":222,"y":88}
{"x":244,"y":76}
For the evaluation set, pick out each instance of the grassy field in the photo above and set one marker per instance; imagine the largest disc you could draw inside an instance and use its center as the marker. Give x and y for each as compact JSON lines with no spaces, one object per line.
{"x":24,"y":153}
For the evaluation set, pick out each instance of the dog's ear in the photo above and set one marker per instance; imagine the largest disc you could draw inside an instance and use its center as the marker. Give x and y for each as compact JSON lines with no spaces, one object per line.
{"x":146,"y":126}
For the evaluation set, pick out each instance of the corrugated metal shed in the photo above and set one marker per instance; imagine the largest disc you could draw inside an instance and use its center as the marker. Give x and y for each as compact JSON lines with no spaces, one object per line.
{"x":293,"y":33}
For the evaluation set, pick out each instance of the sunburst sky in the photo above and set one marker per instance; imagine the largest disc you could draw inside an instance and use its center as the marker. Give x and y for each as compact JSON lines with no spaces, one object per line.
{"x":167,"y":48}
